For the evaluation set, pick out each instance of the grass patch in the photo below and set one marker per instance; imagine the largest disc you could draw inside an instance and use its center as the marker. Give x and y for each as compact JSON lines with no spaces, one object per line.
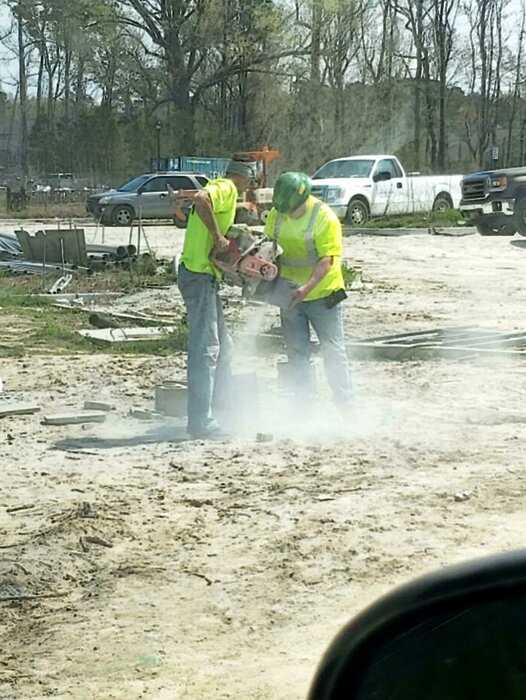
{"x":7,"y":351}
{"x":55,"y":331}
{"x":34,"y":324}
{"x":350,"y":274}
{"x":143,"y":274}
{"x":166,"y":346}
{"x":64,"y":210}
{"x":423,"y":220}
{"x":20,"y":293}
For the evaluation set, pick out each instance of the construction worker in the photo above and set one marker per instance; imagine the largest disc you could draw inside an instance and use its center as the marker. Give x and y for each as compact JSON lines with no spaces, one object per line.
{"x":209,"y":345}
{"x":311,"y":238}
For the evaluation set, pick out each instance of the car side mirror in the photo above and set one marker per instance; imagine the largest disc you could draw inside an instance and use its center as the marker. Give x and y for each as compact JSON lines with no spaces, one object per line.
{"x":382,"y":176}
{"x":457,"y":634}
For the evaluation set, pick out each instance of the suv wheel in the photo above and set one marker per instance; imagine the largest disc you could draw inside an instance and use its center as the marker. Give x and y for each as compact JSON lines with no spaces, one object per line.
{"x":122,"y":215}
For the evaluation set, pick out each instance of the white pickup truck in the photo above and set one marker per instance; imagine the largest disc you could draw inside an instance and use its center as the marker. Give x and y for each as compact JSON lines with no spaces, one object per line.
{"x":360,"y":187}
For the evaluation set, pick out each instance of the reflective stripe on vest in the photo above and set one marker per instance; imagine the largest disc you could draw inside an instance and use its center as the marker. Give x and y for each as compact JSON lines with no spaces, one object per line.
{"x":312,"y":256}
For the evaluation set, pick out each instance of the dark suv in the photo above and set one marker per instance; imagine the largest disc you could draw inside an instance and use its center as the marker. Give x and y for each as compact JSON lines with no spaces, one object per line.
{"x":495,"y":201}
{"x":146,"y":195}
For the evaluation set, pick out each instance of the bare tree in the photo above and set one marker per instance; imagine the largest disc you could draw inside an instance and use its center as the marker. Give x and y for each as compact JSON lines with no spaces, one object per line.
{"x":416,"y":14}
{"x":341,"y":45}
{"x":486,"y":49}
{"x":22,"y":88}
{"x":516,"y":87}
{"x":443,"y":16}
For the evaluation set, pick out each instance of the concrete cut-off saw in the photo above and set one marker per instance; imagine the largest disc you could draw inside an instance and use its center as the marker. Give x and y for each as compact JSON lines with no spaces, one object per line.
{"x":249,"y":260}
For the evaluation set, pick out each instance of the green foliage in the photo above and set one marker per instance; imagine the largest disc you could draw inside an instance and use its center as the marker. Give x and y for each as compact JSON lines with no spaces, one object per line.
{"x":39,"y":326}
{"x":448,"y":218}
{"x":13,"y":298}
{"x":350,"y":274}
{"x":317,"y":79}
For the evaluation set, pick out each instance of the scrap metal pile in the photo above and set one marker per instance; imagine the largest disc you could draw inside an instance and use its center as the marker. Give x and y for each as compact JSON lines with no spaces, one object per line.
{"x":63,"y":250}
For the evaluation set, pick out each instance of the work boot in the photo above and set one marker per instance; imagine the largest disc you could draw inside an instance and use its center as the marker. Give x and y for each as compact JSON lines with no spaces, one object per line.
{"x":210,"y":431}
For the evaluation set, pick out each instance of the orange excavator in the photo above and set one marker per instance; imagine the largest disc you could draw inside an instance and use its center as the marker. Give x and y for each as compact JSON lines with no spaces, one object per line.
{"x":262,"y":158}
{"x":258,"y":198}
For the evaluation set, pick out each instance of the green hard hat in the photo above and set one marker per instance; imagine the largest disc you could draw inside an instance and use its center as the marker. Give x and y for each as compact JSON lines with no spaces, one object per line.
{"x":291,"y":191}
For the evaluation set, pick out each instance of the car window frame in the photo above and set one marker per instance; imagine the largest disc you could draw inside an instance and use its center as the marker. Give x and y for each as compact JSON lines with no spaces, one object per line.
{"x":317,"y":176}
{"x":395,"y":170}
{"x":190,"y":180}
{"x":154,"y":179}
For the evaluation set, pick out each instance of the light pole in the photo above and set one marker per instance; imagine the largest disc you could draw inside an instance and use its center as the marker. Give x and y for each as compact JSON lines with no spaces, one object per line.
{"x":158,"y":127}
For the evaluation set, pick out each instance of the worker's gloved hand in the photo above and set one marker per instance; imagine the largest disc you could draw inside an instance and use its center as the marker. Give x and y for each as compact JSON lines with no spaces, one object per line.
{"x":298,"y":295}
{"x":221,"y":244}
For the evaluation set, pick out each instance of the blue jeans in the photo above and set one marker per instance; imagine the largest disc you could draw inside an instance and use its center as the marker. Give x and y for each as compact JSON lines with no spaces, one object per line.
{"x":328,"y":325}
{"x":209,"y":347}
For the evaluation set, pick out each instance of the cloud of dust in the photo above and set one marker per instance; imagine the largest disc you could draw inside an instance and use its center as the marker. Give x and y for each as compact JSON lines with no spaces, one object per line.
{"x":262,"y":404}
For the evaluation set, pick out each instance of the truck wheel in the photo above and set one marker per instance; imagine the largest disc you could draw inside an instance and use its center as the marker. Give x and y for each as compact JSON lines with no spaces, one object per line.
{"x":495,"y":228}
{"x":520,"y":217}
{"x":122,"y":215}
{"x":442,"y":202}
{"x":357,"y":213}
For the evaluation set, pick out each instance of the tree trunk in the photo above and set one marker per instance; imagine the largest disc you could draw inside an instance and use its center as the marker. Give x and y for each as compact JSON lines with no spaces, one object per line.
{"x":22,"y":85}
{"x":522,"y":144}
{"x":40,"y":79}
{"x":67,"y":83}
{"x":442,"y":132}
{"x":417,"y":125}
{"x":315,"y":76}
{"x":430,"y":112}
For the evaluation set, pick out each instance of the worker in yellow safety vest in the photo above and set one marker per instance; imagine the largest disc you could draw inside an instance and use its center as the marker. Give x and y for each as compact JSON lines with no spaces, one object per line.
{"x":209,"y":343}
{"x":310,"y":235}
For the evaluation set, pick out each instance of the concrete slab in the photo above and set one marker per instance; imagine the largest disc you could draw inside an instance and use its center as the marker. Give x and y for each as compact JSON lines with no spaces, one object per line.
{"x":81,"y":297}
{"x":74,"y":418}
{"x":17,"y":409}
{"x":127,"y":335}
{"x":453,"y":343}
{"x":98,"y":406}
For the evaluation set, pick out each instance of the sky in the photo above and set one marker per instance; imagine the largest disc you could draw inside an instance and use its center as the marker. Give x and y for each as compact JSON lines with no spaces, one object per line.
{"x":8,"y":64}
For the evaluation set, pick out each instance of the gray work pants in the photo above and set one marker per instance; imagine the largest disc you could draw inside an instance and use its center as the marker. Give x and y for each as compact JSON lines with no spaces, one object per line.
{"x":328,"y":325}
{"x":209,"y":347}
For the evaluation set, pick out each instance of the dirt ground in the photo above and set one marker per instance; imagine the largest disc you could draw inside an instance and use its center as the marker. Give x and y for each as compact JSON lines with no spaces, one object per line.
{"x":183,"y":570}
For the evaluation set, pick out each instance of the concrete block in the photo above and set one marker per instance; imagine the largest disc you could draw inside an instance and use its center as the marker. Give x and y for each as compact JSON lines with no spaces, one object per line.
{"x":74,"y":418}
{"x":98,"y":406}
{"x":17,"y":409}
{"x":170,"y":399}
{"x":286,"y":377}
{"x":143,"y":414}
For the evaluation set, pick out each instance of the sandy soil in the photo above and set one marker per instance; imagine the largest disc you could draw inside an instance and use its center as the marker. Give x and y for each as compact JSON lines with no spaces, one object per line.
{"x":222,"y":570}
